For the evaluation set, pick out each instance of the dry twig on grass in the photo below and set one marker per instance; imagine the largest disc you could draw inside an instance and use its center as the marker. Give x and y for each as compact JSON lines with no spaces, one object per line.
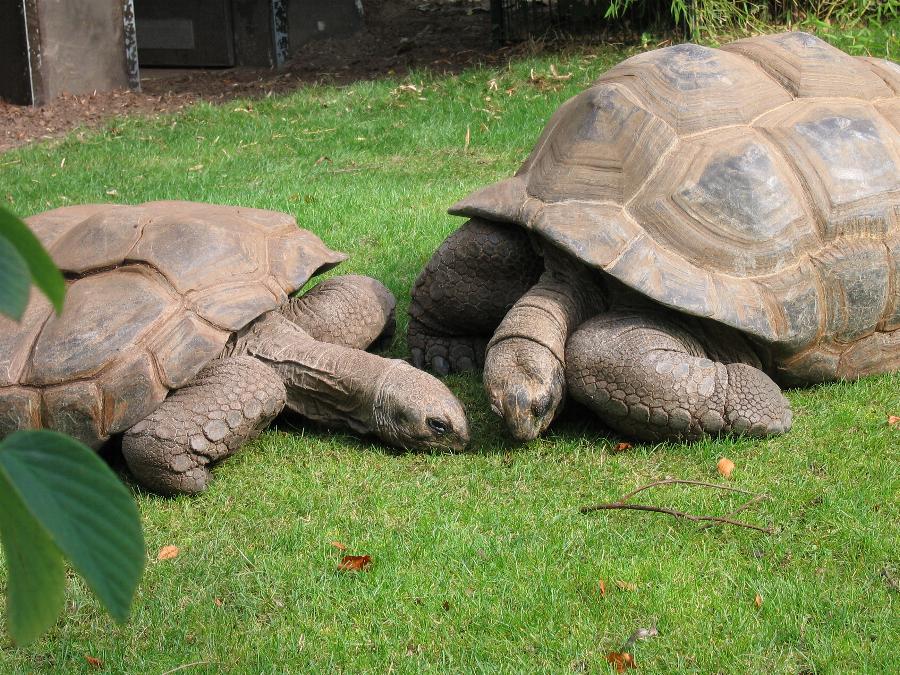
{"x":712,"y":520}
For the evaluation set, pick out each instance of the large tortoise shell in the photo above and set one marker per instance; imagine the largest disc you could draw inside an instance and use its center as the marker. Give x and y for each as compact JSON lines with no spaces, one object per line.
{"x":153,"y":293}
{"x":756,"y":185}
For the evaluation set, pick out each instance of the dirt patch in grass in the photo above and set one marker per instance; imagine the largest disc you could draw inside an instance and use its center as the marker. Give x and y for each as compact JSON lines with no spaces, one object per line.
{"x":444,"y":36}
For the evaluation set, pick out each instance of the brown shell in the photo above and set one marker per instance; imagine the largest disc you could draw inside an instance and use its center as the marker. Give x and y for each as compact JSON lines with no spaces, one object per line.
{"x":757,"y":185}
{"x":153,"y":293}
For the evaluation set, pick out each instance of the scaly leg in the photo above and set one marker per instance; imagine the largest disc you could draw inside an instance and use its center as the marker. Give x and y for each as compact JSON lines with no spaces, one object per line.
{"x":464,"y":292}
{"x":225,"y":405}
{"x":649,"y":377}
{"x":350,"y":310}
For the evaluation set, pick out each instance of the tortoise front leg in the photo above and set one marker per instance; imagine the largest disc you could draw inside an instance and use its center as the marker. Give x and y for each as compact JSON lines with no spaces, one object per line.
{"x":225,"y":405}
{"x":350,"y":310}
{"x":649,"y":377}
{"x":465,"y":290}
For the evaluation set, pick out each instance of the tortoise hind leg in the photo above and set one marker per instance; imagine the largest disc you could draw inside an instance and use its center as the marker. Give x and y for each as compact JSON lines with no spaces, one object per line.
{"x":350,"y":311}
{"x":465,"y":290}
{"x":650,"y":378}
{"x":225,"y":405}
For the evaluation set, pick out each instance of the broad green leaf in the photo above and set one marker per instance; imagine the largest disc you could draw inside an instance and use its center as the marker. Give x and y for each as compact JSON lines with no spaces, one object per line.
{"x":44,"y":272}
{"x":37,"y":579}
{"x":14,"y":281}
{"x":85,"y":509}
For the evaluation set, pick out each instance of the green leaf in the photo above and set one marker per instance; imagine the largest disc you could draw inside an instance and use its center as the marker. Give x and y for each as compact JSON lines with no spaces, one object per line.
{"x":44,"y":272}
{"x":85,"y":509}
{"x":37,"y":579}
{"x":14,"y":281}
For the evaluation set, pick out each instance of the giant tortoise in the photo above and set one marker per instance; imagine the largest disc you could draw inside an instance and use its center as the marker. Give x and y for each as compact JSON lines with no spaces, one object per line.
{"x":178,"y":330}
{"x":708,"y":220}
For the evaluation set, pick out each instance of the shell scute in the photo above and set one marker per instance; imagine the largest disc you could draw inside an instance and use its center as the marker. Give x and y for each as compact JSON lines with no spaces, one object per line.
{"x":886,"y":70}
{"x":891,"y":320}
{"x":797,"y":304}
{"x":183,"y":346}
{"x":695,"y":88}
{"x":16,"y":339}
{"x":232,"y":306}
{"x":807,"y":66}
{"x":601,"y":150}
{"x":195,"y":253}
{"x":101,"y":240}
{"x":731,"y":190}
{"x":846,"y":156}
{"x":75,"y":408}
{"x":103,"y":316}
{"x":131,"y":390}
{"x":855,"y":278}
{"x":20,"y":408}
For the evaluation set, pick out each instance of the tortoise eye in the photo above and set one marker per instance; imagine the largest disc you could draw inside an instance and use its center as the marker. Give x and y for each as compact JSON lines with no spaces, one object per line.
{"x":437,"y":426}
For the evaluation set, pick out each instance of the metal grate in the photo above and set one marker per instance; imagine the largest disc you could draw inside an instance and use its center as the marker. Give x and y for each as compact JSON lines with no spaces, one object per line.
{"x":517,"y":20}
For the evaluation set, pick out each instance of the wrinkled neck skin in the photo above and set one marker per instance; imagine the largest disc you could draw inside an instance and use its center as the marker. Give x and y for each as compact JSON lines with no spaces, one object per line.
{"x":345,"y":387}
{"x":567,"y":294}
{"x":336,"y":386}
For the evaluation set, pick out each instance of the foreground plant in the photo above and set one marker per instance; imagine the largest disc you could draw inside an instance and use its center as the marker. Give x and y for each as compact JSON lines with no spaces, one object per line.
{"x":57,"y":498}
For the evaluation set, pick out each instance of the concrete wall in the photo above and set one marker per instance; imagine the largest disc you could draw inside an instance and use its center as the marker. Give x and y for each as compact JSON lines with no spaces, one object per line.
{"x":48,"y":47}
{"x":81,"y":46}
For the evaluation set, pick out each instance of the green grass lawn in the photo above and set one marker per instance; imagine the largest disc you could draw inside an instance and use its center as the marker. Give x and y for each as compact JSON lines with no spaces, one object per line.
{"x":481,"y":561}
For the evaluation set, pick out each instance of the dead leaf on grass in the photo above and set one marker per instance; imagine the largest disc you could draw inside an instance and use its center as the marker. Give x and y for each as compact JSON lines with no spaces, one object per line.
{"x":725,"y":467}
{"x":94,"y":662}
{"x":218,"y":602}
{"x":602,"y":588}
{"x":894,"y":421}
{"x":757,"y":601}
{"x":627,"y":585}
{"x":622,"y":447}
{"x":355,"y":563}
{"x":339,"y":546}
{"x":167,"y":553}
{"x":621,"y":660}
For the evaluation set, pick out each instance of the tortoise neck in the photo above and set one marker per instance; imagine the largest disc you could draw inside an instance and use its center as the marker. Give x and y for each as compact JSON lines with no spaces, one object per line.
{"x":334,"y":385}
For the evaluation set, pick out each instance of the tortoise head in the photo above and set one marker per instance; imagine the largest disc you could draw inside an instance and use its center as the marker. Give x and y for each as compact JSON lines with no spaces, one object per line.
{"x":526,"y":386}
{"x":416,"y":411}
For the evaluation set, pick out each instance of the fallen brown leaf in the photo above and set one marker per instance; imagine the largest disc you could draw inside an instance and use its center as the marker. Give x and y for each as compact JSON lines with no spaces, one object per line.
{"x":894,"y":420}
{"x":602,"y":589}
{"x":621,"y":660}
{"x":94,"y":662}
{"x":218,"y":602}
{"x":355,"y":563}
{"x":167,"y":553}
{"x":757,"y":601}
{"x":622,"y":447}
{"x":725,"y":467}
{"x":627,"y":585}
{"x":339,"y":546}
